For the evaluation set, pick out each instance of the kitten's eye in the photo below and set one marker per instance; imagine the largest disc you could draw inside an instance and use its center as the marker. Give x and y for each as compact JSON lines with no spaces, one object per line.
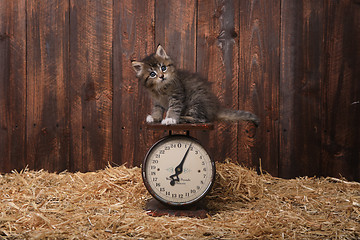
{"x":153,"y":74}
{"x":163,"y":68}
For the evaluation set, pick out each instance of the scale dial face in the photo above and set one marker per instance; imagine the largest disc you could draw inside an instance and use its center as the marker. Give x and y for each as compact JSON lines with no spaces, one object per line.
{"x":178,"y":171}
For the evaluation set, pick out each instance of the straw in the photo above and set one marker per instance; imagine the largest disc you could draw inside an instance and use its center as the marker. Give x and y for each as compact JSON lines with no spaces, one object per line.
{"x":109,"y":204}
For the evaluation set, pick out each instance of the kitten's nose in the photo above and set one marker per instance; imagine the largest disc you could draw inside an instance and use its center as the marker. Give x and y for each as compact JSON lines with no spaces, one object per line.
{"x":162,"y":76}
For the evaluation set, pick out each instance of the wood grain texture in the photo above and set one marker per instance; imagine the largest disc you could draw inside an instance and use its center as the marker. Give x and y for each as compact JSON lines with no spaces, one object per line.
{"x":69,"y":98}
{"x":259,"y":82}
{"x":340,"y":94}
{"x":301,"y":57}
{"x":175,"y":30}
{"x":134,"y":34}
{"x":91,"y":90}
{"x":289,"y":18}
{"x":319,"y":90}
{"x":12,"y":85}
{"x":307,"y":91}
{"x":47,"y":64}
{"x":217,"y":61}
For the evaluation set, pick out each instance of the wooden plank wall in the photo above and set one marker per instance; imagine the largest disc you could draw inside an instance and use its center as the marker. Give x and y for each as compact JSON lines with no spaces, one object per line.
{"x":13,"y":47}
{"x":47,"y":61}
{"x":319,"y":88}
{"x":69,"y":98}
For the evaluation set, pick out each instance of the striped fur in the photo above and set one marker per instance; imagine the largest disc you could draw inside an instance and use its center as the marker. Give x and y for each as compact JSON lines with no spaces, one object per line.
{"x":181,"y":95}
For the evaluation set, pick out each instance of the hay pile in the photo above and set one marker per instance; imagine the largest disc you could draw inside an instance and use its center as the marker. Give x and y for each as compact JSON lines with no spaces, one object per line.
{"x":109,"y":204}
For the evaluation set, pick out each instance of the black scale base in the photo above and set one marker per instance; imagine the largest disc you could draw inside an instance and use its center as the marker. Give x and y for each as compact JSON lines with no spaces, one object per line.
{"x":157,"y":209}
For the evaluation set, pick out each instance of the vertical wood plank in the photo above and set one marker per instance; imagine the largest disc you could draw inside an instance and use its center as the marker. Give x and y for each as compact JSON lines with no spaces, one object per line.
{"x":134,"y":34}
{"x":175,"y":30}
{"x":217,"y":60}
{"x":289,"y":18}
{"x":91,"y":28}
{"x":12,"y":84}
{"x":341,"y":91}
{"x":259,"y":82}
{"x":307,"y":90}
{"x":301,"y":76}
{"x":47,"y":74}
{"x":291,"y":75}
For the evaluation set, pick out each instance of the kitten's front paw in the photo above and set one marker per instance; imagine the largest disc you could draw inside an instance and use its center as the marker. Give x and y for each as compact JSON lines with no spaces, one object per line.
{"x":169,"y":121}
{"x":149,"y":119}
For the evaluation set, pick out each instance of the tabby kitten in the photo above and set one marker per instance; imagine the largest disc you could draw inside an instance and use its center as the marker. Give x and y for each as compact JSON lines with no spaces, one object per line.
{"x":184,"y":96}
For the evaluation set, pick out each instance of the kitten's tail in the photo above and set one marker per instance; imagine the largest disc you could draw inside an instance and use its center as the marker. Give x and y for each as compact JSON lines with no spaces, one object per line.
{"x":236,"y":115}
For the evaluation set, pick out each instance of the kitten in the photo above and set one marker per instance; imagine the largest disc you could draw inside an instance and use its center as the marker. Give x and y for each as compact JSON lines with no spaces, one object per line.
{"x":184,"y":96}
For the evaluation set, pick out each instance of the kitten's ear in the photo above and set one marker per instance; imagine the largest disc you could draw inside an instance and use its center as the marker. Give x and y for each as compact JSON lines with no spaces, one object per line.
{"x":138,"y":67}
{"x":161,"y":52}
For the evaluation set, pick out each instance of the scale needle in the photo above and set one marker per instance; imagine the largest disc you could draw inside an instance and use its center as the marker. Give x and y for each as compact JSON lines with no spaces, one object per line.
{"x":179,"y":169}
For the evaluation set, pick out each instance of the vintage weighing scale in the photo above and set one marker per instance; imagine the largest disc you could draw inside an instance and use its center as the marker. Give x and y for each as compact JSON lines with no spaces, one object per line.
{"x":178,"y":172}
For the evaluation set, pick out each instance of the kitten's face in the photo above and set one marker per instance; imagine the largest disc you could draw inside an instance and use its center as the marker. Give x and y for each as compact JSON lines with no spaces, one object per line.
{"x":156,"y":70}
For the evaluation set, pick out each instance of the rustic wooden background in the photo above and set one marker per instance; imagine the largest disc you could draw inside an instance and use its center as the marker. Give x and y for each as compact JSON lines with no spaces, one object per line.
{"x":69,"y":98}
